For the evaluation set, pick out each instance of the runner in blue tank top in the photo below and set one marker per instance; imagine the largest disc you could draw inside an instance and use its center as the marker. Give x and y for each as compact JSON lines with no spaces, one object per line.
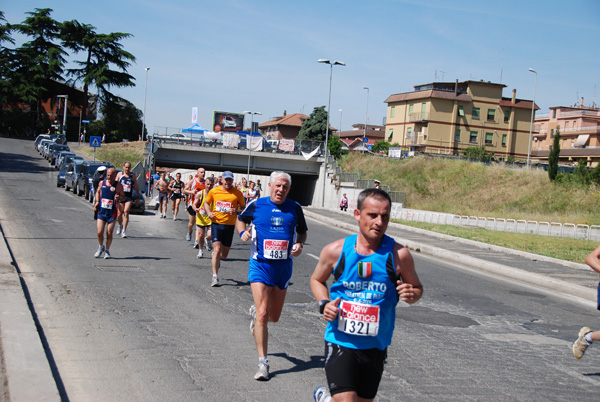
{"x":371,"y":274}
{"x":129,"y":183}
{"x":109,"y":192}
{"x":278,"y":233}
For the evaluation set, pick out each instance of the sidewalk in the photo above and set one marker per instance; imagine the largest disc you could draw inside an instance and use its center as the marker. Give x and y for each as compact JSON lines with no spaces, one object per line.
{"x":576,"y":281}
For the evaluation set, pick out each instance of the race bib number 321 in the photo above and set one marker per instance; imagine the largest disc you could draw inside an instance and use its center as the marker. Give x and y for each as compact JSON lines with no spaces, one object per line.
{"x":358,"y":319}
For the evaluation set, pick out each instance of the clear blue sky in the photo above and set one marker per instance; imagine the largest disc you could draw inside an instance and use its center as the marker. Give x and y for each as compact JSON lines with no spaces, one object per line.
{"x":236,"y":55}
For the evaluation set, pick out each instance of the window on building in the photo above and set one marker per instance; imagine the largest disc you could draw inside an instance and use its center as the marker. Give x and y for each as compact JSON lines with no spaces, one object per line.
{"x":503,"y":140}
{"x":489,"y":137}
{"x":506,"y":115}
{"x":473,"y":137}
{"x":475,"y":113}
{"x":410,"y":109}
{"x":554,"y":113}
{"x":552,"y":133}
{"x":390,"y":134}
{"x":409,"y":132}
{"x":423,"y":110}
{"x":491,"y":115}
{"x":457,"y":135}
{"x":393,"y":111}
{"x":461,"y":111}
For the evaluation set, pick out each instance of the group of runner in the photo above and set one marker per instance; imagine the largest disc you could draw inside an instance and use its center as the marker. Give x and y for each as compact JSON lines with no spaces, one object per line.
{"x":371,"y":271}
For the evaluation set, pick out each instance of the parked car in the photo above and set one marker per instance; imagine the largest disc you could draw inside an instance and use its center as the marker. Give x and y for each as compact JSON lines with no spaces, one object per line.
{"x":54,"y":150}
{"x":59,"y":138}
{"x":39,"y":139}
{"x":60,"y":179}
{"x":43,"y":143}
{"x":73,"y":170}
{"x":68,"y":159}
{"x":60,"y":156}
{"x":84,"y":178}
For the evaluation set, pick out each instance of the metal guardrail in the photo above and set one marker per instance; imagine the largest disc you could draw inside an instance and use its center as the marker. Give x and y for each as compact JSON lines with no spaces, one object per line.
{"x":553,"y":229}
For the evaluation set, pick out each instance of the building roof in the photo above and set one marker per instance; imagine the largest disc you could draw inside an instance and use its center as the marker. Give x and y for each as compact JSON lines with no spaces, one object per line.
{"x":430,"y":93}
{"x":373,"y":131}
{"x":294,"y":120}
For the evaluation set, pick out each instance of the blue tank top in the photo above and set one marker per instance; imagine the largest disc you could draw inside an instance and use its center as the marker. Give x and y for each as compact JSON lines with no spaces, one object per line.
{"x":366,"y":285}
{"x":107,"y":201}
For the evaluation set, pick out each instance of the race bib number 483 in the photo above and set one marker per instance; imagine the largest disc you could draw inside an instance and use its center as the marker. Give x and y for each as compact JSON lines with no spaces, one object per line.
{"x":358,"y":319}
{"x":275,"y":249}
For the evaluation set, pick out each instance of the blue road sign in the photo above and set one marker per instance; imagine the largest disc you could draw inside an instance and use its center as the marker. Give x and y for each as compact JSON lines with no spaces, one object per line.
{"x":85,"y":121}
{"x":95,"y":142}
{"x":365,"y":140}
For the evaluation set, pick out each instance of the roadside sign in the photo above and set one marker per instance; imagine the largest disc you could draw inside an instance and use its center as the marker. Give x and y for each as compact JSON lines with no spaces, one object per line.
{"x":85,"y":121}
{"x":95,"y":142}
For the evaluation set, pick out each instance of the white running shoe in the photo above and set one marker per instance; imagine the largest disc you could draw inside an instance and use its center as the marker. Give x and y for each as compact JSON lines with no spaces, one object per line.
{"x":123,"y":235}
{"x":200,"y":253}
{"x":188,"y":236}
{"x":99,"y":252}
{"x":263,"y":372}
{"x":208,"y":244}
{"x":581,"y":345}
{"x":322,"y":394}
{"x":195,"y":245}
{"x":215,"y":281}
{"x":174,"y":218}
{"x":119,"y":229}
{"x":106,"y":254}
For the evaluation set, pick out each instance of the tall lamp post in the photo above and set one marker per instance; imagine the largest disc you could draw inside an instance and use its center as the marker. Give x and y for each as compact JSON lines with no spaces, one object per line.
{"x":249,"y":140}
{"x":64,"y":125}
{"x":532,"y":113}
{"x":331,"y":64}
{"x":340,"y":120}
{"x":366,"y":118}
{"x":145,"y":95}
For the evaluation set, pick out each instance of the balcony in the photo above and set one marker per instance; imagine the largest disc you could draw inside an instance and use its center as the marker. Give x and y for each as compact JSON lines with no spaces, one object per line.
{"x":588,"y":113}
{"x":418,"y":117}
{"x":575,"y":130}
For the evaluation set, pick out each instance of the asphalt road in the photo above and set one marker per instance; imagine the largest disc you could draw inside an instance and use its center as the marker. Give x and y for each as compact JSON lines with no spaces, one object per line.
{"x":146,"y":325}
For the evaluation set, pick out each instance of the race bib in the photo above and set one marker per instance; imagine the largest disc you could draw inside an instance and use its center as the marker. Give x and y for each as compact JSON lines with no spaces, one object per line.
{"x":275,"y":249}
{"x":127,"y":188}
{"x":222,"y":206}
{"x":358,"y":319}
{"x":202,"y":212}
{"x":106,"y":203}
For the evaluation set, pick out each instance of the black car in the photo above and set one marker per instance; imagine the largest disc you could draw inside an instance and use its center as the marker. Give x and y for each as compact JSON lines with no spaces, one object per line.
{"x":73,"y":170}
{"x":84,"y":178}
{"x":68,"y":159}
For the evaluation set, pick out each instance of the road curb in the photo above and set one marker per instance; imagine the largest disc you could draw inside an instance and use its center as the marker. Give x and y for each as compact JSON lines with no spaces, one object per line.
{"x":26,"y":372}
{"x":581,"y":292}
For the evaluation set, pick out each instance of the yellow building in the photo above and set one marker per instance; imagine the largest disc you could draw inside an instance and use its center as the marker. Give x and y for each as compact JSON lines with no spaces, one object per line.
{"x":449,"y":117}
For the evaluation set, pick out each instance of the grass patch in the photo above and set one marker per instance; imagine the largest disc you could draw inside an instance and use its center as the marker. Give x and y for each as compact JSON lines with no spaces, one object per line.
{"x":555,"y":247}
{"x":117,"y":153}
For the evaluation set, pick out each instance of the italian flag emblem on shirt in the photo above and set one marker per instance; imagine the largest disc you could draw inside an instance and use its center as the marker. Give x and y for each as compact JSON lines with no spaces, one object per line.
{"x":364,"y":269}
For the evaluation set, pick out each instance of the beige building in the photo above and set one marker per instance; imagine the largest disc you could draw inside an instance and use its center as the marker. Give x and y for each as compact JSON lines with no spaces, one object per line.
{"x":579,"y":132}
{"x":449,"y":117}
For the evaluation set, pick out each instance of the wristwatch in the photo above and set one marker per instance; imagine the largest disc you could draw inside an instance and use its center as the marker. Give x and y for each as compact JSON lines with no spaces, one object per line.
{"x":322,"y":304}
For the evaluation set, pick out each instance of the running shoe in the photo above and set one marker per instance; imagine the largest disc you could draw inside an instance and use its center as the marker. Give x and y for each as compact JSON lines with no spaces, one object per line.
{"x":209,"y":246}
{"x":188,"y":236}
{"x":174,"y":218}
{"x":200,"y":253}
{"x":215,"y":281}
{"x":263,"y":372}
{"x":195,"y":244}
{"x":99,"y":252}
{"x":123,"y":235}
{"x":252,"y":318}
{"x":322,"y":394}
{"x":119,"y":229}
{"x":580,"y":345}
{"x":106,"y":254}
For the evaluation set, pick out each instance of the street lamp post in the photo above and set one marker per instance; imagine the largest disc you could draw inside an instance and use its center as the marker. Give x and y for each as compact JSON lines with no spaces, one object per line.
{"x":532,"y":113}
{"x":340,"y":120}
{"x":335,"y":63}
{"x":249,"y":140}
{"x":145,"y":95}
{"x":366,"y":118}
